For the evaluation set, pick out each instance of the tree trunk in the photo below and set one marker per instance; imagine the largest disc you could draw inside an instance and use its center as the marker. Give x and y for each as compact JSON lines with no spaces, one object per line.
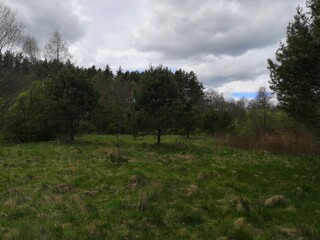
{"x":72,"y":138}
{"x":264,"y":121}
{"x":71,"y":132}
{"x":159,"y":135}
{"x":188,"y":133}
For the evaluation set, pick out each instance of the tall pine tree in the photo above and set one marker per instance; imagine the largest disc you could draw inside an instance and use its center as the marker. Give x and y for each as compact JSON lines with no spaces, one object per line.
{"x":295,"y":75}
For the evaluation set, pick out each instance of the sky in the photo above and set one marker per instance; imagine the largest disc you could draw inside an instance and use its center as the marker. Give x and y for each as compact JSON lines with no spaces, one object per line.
{"x":225,"y":42}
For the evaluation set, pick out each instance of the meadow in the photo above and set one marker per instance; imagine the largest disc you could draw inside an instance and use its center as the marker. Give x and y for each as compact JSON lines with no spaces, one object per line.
{"x":130,"y":188}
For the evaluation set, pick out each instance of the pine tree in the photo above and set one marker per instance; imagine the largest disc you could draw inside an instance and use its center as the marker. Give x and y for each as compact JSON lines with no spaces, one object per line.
{"x":295,"y":75}
{"x":157,"y":96}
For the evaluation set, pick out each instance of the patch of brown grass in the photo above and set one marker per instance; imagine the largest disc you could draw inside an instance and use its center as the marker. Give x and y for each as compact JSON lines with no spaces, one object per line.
{"x":274,"y":201}
{"x":202,"y":176}
{"x":290,"y":144}
{"x":143,"y":201}
{"x":191,"y":190}
{"x":77,"y":201}
{"x":182,"y":156}
{"x":15,"y":198}
{"x":8,"y":233}
{"x":290,"y":232}
{"x":241,"y":205}
{"x":136,"y":181}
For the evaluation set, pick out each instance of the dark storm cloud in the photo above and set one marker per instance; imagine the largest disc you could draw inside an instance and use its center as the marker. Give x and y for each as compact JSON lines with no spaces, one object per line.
{"x":180,"y":29}
{"x":43,"y":17}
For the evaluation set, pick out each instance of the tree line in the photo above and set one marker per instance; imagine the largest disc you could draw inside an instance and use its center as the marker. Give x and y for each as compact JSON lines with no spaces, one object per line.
{"x":46,"y":100}
{"x":47,"y":97}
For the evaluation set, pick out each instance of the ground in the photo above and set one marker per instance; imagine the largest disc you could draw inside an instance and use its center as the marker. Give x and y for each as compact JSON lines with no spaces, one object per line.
{"x":184,"y":189}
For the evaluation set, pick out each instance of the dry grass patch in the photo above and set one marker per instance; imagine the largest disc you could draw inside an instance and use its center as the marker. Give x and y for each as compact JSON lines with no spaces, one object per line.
{"x":202,"y":176}
{"x":8,"y":233}
{"x":240,"y":222}
{"x":291,"y":144}
{"x":78,"y":202}
{"x":274,"y":201}
{"x":50,"y":198}
{"x":241,"y":205}
{"x":182,"y":156}
{"x":136,"y":181}
{"x":191,"y":190}
{"x":143,"y":201}
{"x":290,"y":232}
{"x":15,"y":199}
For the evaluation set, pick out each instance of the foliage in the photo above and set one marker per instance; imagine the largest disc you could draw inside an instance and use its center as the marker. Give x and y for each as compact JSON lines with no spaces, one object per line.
{"x":15,"y":71}
{"x":295,"y":73}
{"x":210,"y":120}
{"x":215,"y":100}
{"x":116,"y":99}
{"x":71,"y":98}
{"x":260,"y":111}
{"x":140,"y":123}
{"x":29,"y":119}
{"x":156,"y":97}
{"x":112,"y":129}
{"x":50,"y":108}
{"x":119,"y":111}
{"x":190,"y":93}
{"x":216,"y":122}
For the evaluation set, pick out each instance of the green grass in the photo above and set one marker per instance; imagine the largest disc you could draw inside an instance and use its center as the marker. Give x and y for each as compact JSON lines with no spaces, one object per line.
{"x":195,"y":189}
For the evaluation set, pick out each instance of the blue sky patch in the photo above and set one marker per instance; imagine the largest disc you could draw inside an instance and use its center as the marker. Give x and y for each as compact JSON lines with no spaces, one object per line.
{"x":244,"y":94}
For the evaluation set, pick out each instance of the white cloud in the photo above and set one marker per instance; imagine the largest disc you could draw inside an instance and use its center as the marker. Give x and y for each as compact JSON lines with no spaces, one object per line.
{"x":244,"y":86}
{"x":181,"y":29}
{"x":227,"y":43}
{"x":43,"y":17}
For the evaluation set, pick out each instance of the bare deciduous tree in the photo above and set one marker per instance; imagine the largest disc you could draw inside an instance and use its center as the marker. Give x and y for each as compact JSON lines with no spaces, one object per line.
{"x":11,"y":29}
{"x":30,"y":47}
{"x":260,"y":107}
{"x":56,"y":48}
{"x":215,"y":100}
{"x":11,"y":33}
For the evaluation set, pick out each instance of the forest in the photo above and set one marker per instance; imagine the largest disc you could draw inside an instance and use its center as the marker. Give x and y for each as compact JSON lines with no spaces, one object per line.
{"x":45,"y":97}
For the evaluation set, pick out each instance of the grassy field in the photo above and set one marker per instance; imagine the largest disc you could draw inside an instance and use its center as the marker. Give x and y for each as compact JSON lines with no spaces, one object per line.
{"x":195,"y":189}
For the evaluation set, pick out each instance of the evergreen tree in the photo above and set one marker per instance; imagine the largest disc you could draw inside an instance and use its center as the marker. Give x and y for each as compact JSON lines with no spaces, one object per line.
{"x":295,"y":73}
{"x":157,"y":96}
{"x":71,"y":98}
{"x":51,"y":108}
{"x":190,"y":93}
{"x":29,"y":118}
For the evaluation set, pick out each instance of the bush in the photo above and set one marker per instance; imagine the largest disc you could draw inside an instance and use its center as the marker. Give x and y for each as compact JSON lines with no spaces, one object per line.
{"x":27,"y":120}
{"x":51,"y":108}
{"x":112,"y":129}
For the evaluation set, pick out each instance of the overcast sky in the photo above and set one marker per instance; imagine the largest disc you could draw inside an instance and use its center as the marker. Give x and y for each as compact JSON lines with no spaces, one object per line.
{"x":226,"y":42}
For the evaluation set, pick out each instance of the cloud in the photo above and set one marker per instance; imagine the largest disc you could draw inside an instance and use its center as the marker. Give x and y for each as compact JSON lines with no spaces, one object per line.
{"x":135,"y":60}
{"x":227,"y":43}
{"x":180,"y":29}
{"x":43,"y":17}
{"x":110,"y":30}
{"x":252,"y":85}
{"x":217,"y":70}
